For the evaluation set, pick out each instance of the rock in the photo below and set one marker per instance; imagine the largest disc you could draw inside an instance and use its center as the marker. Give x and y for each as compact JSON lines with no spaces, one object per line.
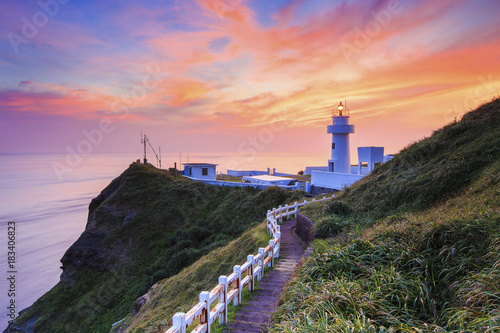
{"x":130,"y":216}
{"x":139,"y":303}
{"x":84,"y":253}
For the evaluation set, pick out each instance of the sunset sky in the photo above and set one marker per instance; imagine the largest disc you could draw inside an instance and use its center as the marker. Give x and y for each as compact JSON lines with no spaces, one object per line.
{"x":232,"y":75}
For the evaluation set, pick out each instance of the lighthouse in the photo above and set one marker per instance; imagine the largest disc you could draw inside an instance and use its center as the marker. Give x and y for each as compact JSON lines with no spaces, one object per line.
{"x":340,"y":130}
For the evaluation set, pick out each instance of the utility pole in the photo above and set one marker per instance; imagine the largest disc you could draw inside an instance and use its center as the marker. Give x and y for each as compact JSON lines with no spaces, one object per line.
{"x":143,"y":140}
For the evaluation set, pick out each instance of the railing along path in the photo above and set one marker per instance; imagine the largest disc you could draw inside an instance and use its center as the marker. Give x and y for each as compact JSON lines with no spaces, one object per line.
{"x":213,"y":304}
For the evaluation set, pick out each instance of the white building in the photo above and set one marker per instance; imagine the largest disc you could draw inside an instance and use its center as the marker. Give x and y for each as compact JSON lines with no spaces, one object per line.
{"x":202,"y":171}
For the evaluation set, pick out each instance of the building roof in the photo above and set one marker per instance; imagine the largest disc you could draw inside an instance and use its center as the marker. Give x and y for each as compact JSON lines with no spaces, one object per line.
{"x":199,"y":164}
{"x":271,"y":180}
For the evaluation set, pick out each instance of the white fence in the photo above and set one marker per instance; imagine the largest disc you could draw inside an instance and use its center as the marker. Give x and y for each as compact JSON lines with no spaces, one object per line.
{"x":213,"y":304}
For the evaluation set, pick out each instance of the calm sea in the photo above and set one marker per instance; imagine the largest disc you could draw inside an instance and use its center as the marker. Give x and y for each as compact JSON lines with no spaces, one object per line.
{"x":50,"y":212}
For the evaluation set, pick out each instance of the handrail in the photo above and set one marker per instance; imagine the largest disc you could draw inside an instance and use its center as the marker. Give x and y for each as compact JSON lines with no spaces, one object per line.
{"x":230,"y":287}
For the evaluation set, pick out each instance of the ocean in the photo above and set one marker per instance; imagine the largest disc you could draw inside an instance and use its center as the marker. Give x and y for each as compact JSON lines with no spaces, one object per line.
{"x":47,"y":198}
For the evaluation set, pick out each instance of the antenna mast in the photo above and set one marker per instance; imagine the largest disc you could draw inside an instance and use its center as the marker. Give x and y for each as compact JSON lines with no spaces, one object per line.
{"x":145,"y":140}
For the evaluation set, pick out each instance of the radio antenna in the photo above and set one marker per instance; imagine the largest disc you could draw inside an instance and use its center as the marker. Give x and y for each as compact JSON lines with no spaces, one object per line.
{"x":147,"y":143}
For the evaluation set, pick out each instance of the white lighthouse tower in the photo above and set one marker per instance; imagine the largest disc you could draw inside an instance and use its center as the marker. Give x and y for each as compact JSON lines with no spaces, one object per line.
{"x":340,"y":130}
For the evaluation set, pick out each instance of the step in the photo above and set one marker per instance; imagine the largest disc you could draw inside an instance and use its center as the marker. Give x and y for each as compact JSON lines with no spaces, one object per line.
{"x":254,"y":316}
{"x":245,"y":327}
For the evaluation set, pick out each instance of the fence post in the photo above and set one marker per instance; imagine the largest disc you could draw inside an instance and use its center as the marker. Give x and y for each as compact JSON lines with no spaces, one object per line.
{"x":296,"y":210}
{"x":205,"y":313}
{"x":278,"y":235}
{"x":286,"y":211}
{"x":268,"y":221}
{"x":237,"y":271}
{"x":251,"y":260}
{"x":223,"y":299}
{"x":281,"y":214}
{"x":179,"y":320}
{"x":271,"y":242}
{"x":262,"y":252}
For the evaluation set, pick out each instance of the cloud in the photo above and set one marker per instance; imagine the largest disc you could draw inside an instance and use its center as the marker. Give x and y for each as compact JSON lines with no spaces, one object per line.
{"x":225,"y":71}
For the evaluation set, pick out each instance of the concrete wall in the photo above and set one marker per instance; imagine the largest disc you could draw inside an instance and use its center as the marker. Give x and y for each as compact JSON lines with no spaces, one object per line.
{"x":336,"y":181}
{"x":308,"y":170}
{"x":388,"y":158}
{"x":364,"y":170}
{"x":282,"y":174}
{"x":305,"y":228}
{"x":240,"y":173}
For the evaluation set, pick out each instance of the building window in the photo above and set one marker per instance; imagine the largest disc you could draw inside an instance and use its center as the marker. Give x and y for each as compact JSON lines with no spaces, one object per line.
{"x":204,"y":171}
{"x":333,"y":145}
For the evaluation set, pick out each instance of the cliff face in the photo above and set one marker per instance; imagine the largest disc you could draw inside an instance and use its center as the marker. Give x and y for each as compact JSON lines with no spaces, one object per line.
{"x":143,"y":227}
{"x":88,"y":251}
{"x":91,"y":252}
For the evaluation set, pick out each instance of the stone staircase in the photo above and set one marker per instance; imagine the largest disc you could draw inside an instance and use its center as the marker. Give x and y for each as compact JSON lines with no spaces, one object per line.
{"x":255,"y":315}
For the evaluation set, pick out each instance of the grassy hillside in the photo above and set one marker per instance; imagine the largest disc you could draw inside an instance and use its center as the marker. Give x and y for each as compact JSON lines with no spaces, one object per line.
{"x":180,"y":293}
{"x":144,"y":227}
{"x":413,"y":247}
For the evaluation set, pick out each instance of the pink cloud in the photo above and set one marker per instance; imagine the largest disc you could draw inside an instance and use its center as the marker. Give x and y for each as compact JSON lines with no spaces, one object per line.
{"x":405,"y":72}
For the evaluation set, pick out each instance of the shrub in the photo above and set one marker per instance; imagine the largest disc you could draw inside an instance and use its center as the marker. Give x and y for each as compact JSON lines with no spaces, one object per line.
{"x":331,"y":226}
{"x":338,"y":208}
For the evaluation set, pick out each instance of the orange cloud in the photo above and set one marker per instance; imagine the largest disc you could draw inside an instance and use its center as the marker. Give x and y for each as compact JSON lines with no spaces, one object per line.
{"x":226,"y":71}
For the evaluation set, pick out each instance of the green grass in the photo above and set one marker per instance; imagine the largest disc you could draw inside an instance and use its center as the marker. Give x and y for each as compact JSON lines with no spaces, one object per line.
{"x":420,"y":257}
